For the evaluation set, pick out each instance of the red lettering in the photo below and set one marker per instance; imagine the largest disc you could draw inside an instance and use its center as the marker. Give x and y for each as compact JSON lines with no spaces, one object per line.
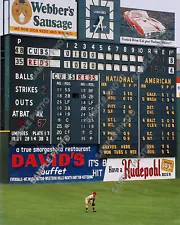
{"x":42,"y":159}
{"x":46,"y":63}
{"x":79,"y":159}
{"x":145,"y":172}
{"x":29,"y":62}
{"x":35,"y":62}
{"x":140,"y":171}
{"x":137,"y":172}
{"x":124,"y":162}
{"x":36,"y":160}
{"x":17,"y":160}
{"x":41,"y":62}
{"x":157,"y":169}
{"x":151,"y":172}
{"x":54,"y":160}
{"x":79,"y":77}
{"x":31,"y":160}
{"x":64,"y":160}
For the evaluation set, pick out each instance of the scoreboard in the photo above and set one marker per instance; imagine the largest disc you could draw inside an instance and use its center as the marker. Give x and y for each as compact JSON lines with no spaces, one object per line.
{"x":119,"y":97}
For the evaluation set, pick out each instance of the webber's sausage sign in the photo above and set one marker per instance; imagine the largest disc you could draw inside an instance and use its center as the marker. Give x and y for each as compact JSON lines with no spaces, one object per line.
{"x":44,"y":18}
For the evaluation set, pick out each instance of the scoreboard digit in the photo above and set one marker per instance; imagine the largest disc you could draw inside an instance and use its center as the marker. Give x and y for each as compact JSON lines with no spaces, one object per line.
{"x":119,"y":97}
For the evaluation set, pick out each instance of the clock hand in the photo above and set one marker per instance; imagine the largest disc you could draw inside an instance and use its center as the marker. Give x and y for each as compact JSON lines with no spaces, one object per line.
{"x":97,"y":25}
{"x":102,"y":18}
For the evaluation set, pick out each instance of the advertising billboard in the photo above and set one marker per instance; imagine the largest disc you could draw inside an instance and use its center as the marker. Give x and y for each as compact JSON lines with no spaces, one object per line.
{"x":44,"y":18}
{"x":139,"y":169}
{"x":178,"y":87}
{"x":146,"y":27}
{"x":80,"y":164}
{"x":72,"y":164}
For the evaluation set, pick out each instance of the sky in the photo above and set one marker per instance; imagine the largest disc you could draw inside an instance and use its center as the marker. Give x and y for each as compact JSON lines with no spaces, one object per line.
{"x":159,"y":5}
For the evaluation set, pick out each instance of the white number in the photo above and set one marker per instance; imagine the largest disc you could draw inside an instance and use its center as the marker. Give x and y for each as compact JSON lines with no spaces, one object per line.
{"x":171,"y":60}
{"x":171,"y":70}
{"x":93,"y":47}
{"x":109,"y":48}
{"x":84,"y":46}
{"x":19,"y":50}
{"x":100,"y":47}
{"x":19,"y":61}
{"x":132,"y":50}
{"x":75,"y":45}
{"x":59,"y":132}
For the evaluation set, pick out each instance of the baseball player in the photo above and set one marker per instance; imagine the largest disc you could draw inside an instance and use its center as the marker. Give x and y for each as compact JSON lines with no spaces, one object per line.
{"x":90,"y":200}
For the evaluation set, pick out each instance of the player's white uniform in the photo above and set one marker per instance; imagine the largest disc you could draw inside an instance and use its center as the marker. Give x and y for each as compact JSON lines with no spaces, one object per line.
{"x":88,"y":199}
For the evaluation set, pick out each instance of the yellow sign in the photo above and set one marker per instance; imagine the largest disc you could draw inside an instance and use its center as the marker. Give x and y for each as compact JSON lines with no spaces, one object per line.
{"x":167,"y":165}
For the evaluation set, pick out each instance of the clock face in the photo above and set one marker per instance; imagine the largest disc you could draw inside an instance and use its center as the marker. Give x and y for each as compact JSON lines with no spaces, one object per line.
{"x":100,"y":19}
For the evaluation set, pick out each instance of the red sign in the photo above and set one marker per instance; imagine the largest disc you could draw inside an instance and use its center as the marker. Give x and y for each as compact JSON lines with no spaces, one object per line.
{"x":18,"y":160}
{"x":138,"y":171}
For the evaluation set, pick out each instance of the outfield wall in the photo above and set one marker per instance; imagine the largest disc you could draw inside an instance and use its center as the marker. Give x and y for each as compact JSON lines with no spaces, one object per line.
{"x":80,"y":164}
{"x":18,"y":166}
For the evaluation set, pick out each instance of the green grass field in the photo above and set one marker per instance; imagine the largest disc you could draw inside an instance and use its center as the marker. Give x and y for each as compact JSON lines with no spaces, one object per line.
{"x":136,"y":203}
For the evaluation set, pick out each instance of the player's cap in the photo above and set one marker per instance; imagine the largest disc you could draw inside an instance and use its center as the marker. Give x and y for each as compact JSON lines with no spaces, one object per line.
{"x":94,"y":193}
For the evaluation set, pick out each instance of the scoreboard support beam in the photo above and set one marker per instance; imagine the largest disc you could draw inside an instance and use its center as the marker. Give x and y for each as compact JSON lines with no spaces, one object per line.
{"x":4,"y":157}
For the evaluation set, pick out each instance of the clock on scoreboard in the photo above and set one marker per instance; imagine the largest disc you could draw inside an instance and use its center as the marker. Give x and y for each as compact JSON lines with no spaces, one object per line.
{"x":99,"y":20}
{"x":119,"y":97}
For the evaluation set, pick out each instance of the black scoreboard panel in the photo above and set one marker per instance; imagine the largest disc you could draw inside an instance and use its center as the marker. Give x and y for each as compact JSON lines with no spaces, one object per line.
{"x":158,"y":114}
{"x":73,"y":98}
{"x":120,"y":97}
{"x":119,"y":128}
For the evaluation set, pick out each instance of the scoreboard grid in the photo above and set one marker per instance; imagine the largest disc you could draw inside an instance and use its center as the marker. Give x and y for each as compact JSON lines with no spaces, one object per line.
{"x":76,"y":77}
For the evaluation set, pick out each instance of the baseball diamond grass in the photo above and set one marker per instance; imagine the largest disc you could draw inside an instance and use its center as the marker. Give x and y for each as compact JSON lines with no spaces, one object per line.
{"x":136,"y":203}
